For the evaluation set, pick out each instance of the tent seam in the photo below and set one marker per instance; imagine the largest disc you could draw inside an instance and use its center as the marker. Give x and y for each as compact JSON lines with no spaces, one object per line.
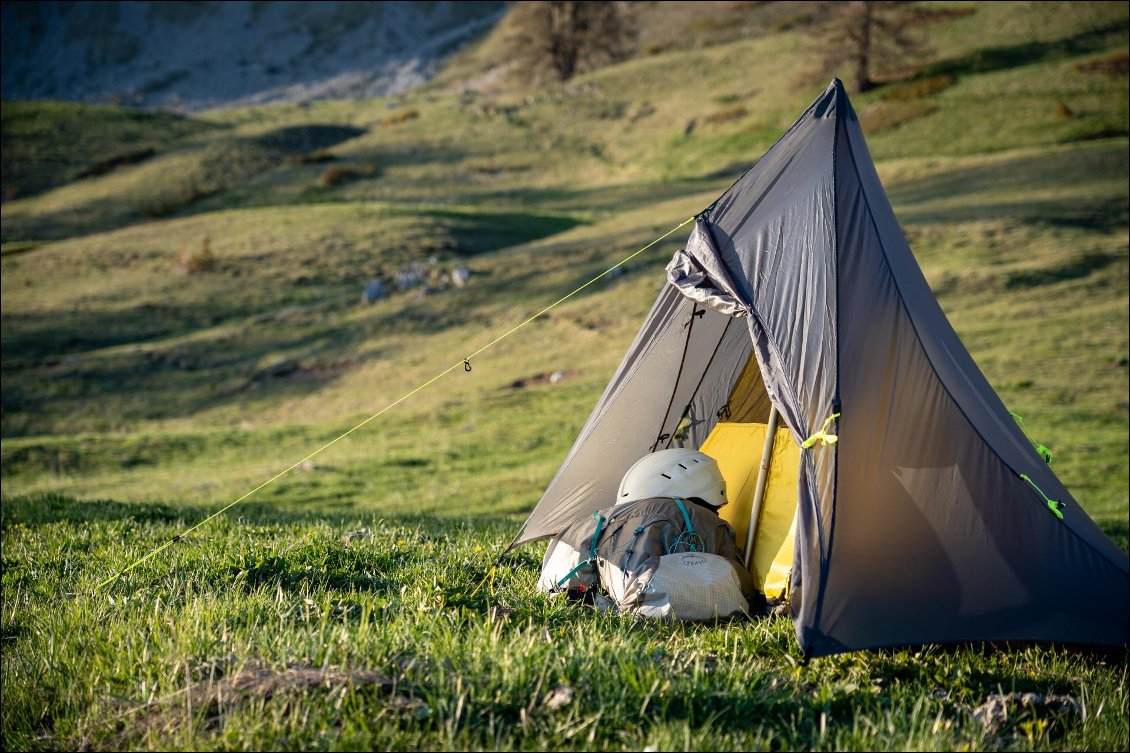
{"x":826,"y":561}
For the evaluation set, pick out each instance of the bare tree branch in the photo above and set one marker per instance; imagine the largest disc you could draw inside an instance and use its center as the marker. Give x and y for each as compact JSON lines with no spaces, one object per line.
{"x":868,"y":36}
{"x":567,"y":38}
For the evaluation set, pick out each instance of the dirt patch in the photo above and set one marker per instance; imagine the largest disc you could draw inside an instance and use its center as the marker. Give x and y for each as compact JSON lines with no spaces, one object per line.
{"x":287,"y":368}
{"x":209,"y":700}
{"x":1029,"y":715}
{"x":264,"y":682}
{"x":537,"y":380}
{"x":1117,"y":64}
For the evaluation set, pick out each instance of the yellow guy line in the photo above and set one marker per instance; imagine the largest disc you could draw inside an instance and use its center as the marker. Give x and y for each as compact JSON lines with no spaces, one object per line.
{"x":462,"y":362}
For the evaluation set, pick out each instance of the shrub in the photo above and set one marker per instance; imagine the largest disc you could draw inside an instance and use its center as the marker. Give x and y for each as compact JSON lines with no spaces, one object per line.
{"x":730,"y":113}
{"x":337,"y":174}
{"x":197,"y":258}
{"x":400,"y":117}
{"x":917,"y":88}
{"x":1117,"y":64}
{"x":792,"y":21}
{"x":313,"y":158}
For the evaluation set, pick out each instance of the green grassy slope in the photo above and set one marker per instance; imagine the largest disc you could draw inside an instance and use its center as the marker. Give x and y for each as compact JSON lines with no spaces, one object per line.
{"x":141,"y":393}
{"x":49,"y":144}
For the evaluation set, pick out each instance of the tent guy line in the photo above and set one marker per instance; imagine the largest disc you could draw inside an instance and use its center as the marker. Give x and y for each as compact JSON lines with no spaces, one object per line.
{"x":464,"y":362}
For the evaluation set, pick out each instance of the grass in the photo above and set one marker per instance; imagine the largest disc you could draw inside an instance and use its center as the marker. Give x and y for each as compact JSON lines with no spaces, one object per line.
{"x":207,"y":644}
{"x":49,"y":144}
{"x":353,"y":603}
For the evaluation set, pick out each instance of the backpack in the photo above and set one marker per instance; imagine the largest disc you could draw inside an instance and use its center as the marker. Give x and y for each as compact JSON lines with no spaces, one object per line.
{"x":685,"y":582}
{"x":651,"y":560}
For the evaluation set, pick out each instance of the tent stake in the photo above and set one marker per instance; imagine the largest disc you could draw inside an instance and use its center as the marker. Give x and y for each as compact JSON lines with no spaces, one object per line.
{"x":759,"y":490}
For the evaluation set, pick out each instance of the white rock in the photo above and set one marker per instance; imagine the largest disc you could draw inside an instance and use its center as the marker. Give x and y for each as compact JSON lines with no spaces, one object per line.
{"x":374,"y":291}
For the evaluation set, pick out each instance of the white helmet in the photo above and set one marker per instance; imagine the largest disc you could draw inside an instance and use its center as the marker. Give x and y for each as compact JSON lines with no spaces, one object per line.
{"x":677,"y":472}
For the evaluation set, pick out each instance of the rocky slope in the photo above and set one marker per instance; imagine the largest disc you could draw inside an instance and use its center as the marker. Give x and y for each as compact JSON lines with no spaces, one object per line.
{"x":190,"y":56}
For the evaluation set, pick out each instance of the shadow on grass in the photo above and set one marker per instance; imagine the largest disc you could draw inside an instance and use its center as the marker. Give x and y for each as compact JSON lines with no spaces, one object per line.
{"x":1101,"y":214}
{"x":175,"y":381}
{"x":1059,"y":172}
{"x":49,"y":508}
{"x":217,"y":167}
{"x":1073,"y":270}
{"x":339,"y":568}
{"x":623,"y":197}
{"x":479,"y":233}
{"x":991,"y":59}
{"x":55,"y":360}
{"x":363,"y":551}
{"x":31,"y":337}
{"x":46,"y":509}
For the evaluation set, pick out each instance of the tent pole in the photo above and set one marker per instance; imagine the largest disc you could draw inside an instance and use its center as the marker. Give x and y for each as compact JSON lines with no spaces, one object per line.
{"x":759,"y":490}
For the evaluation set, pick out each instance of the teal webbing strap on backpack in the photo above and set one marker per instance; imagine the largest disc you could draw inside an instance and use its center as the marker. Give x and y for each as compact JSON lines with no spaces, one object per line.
{"x":686,"y":516}
{"x":690,"y":533}
{"x":592,"y":550}
{"x":596,"y":535}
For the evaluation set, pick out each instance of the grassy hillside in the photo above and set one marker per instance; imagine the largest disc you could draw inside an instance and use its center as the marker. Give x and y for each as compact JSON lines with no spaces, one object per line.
{"x":49,"y":144}
{"x":178,"y":328}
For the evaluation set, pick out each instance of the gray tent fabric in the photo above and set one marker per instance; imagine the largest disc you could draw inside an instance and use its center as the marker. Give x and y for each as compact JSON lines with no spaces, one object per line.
{"x":694,"y":273}
{"x":926,"y":521}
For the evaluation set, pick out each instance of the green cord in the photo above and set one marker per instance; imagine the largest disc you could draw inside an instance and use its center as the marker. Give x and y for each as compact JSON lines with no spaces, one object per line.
{"x":1041,"y":449}
{"x":1054,"y":505}
{"x":823,"y":435}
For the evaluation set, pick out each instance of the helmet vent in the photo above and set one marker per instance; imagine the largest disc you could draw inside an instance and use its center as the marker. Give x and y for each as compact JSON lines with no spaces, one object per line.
{"x":664,"y":475}
{"x":683,"y":467}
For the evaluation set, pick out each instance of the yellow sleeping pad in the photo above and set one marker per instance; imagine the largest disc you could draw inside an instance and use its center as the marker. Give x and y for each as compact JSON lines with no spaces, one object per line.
{"x":737,"y":448}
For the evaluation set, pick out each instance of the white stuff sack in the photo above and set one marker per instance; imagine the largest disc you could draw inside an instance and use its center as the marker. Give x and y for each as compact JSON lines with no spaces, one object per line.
{"x":560,"y":560}
{"x":688,"y":586}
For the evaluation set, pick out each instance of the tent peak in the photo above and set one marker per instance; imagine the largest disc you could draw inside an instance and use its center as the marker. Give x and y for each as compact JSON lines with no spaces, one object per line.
{"x":833,"y":102}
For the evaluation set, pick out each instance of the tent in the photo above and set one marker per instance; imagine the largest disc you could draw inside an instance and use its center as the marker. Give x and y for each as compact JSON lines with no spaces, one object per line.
{"x":897,"y":500}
